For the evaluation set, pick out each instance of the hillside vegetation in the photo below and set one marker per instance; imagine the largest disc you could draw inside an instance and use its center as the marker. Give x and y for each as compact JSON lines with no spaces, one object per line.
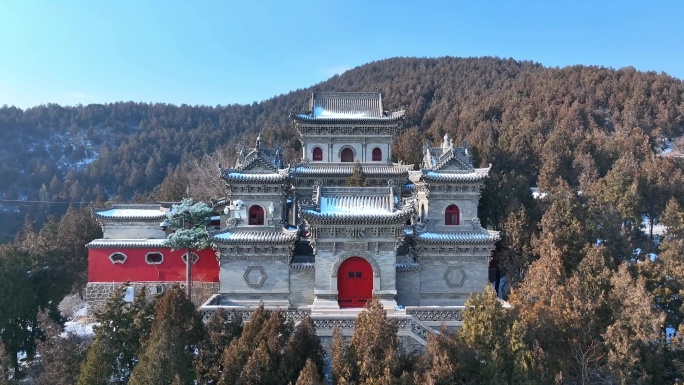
{"x":596,"y":293}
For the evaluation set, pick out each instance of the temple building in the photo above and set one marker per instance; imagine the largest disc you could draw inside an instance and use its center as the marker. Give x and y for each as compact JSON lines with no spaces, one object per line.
{"x":132,"y":251}
{"x":297,"y":237}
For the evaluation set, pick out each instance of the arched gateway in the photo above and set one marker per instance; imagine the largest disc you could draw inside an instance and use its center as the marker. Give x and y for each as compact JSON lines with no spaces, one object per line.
{"x":354,"y":282}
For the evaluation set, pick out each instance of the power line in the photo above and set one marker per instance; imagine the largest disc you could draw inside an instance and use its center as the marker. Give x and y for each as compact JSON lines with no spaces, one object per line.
{"x":49,"y":202}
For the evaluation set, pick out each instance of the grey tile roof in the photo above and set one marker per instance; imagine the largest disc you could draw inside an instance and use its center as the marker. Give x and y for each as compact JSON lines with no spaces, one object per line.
{"x":357,"y":218}
{"x":367,"y":103}
{"x":484,"y":236}
{"x":260,"y":237}
{"x":131,"y":213}
{"x":126,"y":243}
{"x":346,"y":169}
{"x":346,"y":106}
{"x":235,"y":176}
{"x":476,"y":175}
{"x":437,"y":158}
{"x":304,"y":118}
{"x":355,"y":205}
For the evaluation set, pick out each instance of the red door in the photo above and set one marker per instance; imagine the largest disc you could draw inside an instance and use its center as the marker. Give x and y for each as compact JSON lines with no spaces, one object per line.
{"x":354,"y":282}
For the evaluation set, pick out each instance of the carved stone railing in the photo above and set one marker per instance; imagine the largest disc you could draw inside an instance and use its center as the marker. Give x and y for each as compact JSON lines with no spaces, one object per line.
{"x":329,"y":322}
{"x":436,"y":313}
{"x":416,"y":327}
{"x":406,"y":325}
{"x":302,"y":266}
{"x":407,"y":266}
{"x":244,"y":313}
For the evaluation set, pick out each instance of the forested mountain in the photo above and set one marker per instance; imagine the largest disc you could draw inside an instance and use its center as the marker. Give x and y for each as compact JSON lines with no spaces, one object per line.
{"x":597,"y":298}
{"x":574,"y":123}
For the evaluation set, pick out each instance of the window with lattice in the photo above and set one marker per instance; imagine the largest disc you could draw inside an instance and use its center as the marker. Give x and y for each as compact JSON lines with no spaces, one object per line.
{"x":377,"y":154}
{"x":118,"y":258}
{"x":451,"y":215}
{"x":154,"y":258}
{"x":194,"y":258}
{"x":317,"y":154}
{"x":256,"y":215}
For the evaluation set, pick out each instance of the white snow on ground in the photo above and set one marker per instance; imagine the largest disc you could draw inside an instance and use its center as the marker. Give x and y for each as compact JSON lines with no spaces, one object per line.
{"x":77,"y":321}
{"x":658,"y":229}
{"x":536,"y":194}
{"x":667,"y":147}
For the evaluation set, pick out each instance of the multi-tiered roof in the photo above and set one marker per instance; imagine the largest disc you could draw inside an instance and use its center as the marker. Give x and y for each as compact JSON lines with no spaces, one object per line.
{"x":343,"y":107}
{"x":450,"y":164}
{"x":257,"y":165}
{"x":355,"y":205}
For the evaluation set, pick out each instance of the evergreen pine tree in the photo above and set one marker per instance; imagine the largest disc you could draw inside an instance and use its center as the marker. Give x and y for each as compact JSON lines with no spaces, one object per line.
{"x":222,"y":329}
{"x":633,"y":337}
{"x":448,"y":361}
{"x":304,"y":346}
{"x":19,"y":310}
{"x":310,"y":375}
{"x":236,"y":356}
{"x":60,"y":356}
{"x":118,"y":339}
{"x":485,"y":330}
{"x":378,"y":351}
{"x":356,"y":179}
{"x":344,"y":368}
{"x":168,"y":352}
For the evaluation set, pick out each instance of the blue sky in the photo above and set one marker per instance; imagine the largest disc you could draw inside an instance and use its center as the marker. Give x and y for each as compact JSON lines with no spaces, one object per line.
{"x":224,"y":52}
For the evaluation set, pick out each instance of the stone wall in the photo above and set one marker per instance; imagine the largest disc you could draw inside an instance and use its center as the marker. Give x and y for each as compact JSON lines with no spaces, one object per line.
{"x":132,"y":230}
{"x":408,"y":288}
{"x":97,"y":293}
{"x":301,"y":285}
{"x":245,"y":282}
{"x":450,"y":284}
{"x":363,"y":152}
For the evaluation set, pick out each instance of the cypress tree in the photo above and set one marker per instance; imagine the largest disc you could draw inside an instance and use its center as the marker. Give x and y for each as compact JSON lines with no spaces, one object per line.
{"x":310,"y":375}
{"x":222,"y":329}
{"x":304,"y":346}
{"x":377,"y":349}
{"x":168,"y":352}
{"x":118,"y":339}
{"x":356,"y":179}
{"x":344,"y":368}
{"x":236,"y":356}
{"x":60,"y":357}
{"x":449,"y":361}
{"x":485,"y":332}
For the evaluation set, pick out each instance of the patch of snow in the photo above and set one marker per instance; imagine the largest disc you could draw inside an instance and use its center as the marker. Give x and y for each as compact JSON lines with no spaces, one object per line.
{"x":83,"y":329}
{"x":323,"y":113}
{"x":354,"y":206}
{"x":669,"y":333}
{"x":536,"y":194}
{"x":86,"y":161}
{"x":652,"y":256}
{"x":127,"y":213}
{"x":658,"y":229}
{"x":79,"y":323}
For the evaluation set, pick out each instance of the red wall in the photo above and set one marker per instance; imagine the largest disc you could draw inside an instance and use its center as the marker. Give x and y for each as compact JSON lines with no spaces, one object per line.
{"x":135,"y":269}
